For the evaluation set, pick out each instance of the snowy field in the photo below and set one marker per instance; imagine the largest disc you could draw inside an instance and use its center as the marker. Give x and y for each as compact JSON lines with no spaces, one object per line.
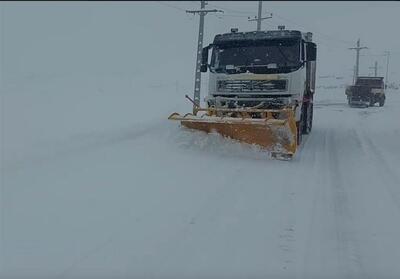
{"x":89,"y":190}
{"x":97,"y":183}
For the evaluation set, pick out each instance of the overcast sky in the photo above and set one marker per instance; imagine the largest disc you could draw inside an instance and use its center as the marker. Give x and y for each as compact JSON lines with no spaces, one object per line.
{"x":158,"y":39}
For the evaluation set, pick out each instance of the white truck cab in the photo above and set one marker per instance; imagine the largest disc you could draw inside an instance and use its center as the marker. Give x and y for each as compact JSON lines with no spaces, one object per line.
{"x":263,"y":69}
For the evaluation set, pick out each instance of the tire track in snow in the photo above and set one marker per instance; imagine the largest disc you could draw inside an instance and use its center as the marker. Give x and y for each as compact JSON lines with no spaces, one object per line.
{"x":349,"y":256}
{"x":312,"y":234}
{"x":385,"y":170}
{"x":288,"y":238}
{"x":330,"y":215}
{"x":287,"y":234}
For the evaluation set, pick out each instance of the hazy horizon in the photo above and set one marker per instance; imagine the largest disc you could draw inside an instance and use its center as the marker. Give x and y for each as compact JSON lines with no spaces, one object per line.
{"x":34,"y":33}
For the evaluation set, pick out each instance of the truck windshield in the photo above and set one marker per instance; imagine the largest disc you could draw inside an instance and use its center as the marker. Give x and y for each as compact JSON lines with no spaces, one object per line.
{"x":269,"y":56}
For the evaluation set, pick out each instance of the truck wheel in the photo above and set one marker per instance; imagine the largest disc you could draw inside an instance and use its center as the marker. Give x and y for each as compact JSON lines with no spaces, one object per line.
{"x":311,"y":115}
{"x":381,"y":102}
{"x":307,"y":119}
{"x":299,"y":125}
{"x":303,"y":118}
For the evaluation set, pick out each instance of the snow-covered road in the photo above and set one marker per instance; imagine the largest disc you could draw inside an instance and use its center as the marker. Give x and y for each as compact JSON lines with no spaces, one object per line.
{"x":88,"y":193}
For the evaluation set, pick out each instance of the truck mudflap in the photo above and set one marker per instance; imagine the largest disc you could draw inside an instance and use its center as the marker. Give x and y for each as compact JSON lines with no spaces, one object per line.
{"x":272,"y":130}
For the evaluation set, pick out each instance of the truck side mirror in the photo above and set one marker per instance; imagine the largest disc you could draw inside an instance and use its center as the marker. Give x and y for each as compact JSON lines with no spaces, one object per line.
{"x":311,"y":52}
{"x":204,"y":60}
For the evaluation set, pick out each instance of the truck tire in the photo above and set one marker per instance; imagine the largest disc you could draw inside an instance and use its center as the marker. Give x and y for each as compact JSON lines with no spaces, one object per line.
{"x":371,"y":103}
{"x":303,"y":118}
{"x":299,"y":125}
{"x":381,"y":102}
{"x":307,"y":119}
{"x":311,"y":115}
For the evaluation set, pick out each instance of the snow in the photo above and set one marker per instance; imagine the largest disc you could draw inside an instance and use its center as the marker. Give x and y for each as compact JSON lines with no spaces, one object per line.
{"x":96,"y":182}
{"x":87,"y":192}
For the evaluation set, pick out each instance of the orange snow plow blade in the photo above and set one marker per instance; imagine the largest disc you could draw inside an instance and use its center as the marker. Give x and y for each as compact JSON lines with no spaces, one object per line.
{"x":273,"y":130}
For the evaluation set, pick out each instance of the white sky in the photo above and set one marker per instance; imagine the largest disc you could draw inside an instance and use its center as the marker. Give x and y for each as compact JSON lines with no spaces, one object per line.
{"x":154,"y":38}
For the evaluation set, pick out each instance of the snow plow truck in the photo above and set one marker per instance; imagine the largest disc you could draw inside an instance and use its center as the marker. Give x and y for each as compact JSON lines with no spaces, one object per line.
{"x":261,"y":87}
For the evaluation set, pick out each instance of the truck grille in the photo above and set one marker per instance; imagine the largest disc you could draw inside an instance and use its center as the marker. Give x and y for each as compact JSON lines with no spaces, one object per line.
{"x":251,"y":85}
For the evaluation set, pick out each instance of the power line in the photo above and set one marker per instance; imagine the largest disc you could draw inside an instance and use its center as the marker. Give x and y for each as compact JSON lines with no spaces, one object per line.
{"x":231,"y":10}
{"x":368,"y":55}
{"x":375,"y":68}
{"x":272,"y":23}
{"x":328,"y":37}
{"x":240,"y":14}
{"x":229,"y":15}
{"x":171,"y":6}
{"x":193,"y":2}
{"x":387,"y":54}
{"x":357,"y":49}
{"x":321,"y":39}
{"x":258,"y":18}
{"x":317,"y":32}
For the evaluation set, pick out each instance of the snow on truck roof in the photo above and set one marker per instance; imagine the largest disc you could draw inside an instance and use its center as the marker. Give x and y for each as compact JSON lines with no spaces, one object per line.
{"x":261,"y":35}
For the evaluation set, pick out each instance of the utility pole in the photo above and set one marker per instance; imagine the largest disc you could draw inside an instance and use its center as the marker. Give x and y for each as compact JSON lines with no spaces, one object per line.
{"x":197,"y":77}
{"x":259,"y":18}
{"x":357,"y":48}
{"x":387,"y":54}
{"x":259,"y":15}
{"x":353,"y":70}
{"x":375,"y":68}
